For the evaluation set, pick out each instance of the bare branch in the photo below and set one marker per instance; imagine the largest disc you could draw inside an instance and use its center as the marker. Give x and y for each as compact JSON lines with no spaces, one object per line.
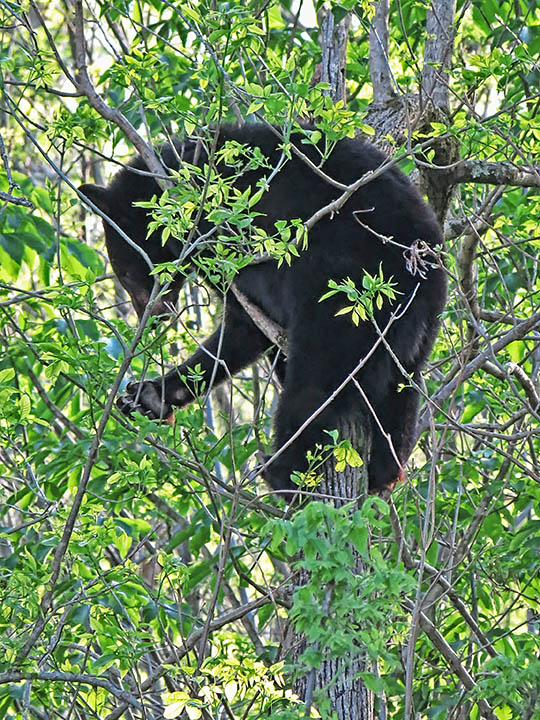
{"x":276,"y":334}
{"x":494,"y":316}
{"x":45,"y":87}
{"x":467,"y":270}
{"x":516,"y":333}
{"x":13,"y":676}
{"x":526,"y":383}
{"x":7,"y":197}
{"x":479,"y":222}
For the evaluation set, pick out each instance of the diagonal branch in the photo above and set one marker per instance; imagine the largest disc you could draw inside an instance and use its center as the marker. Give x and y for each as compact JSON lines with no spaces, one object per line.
{"x":276,"y":334}
{"x":526,"y":383}
{"x":452,"y":659}
{"x":516,"y":333}
{"x":85,"y":85}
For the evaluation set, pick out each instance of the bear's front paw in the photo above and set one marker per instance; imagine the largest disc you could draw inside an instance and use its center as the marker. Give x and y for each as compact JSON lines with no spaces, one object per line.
{"x":147,"y":398}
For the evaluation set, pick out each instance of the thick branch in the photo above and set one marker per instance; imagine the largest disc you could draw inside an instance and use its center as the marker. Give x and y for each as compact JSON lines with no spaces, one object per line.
{"x":467,"y":271}
{"x":526,"y":383}
{"x":339,"y":677}
{"x":274,"y":332}
{"x":480,"y":221}
{"x":379,"y":66}
{"x":438,"y":53}
{"x":8,"y":198}
{"x":493,"y":173}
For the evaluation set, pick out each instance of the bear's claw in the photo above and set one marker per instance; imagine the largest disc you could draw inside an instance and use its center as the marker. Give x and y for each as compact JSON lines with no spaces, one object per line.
{"x":145,"y":398}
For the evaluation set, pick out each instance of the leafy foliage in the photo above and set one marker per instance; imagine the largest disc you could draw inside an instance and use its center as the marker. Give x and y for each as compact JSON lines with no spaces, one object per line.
{"x":140,"y":573}
{"x":364,"y":303}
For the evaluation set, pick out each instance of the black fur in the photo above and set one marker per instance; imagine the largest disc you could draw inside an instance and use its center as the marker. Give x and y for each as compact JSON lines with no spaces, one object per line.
{"x":323,"y":348}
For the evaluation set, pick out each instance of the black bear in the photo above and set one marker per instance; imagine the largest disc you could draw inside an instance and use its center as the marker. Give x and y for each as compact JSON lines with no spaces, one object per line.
{"x":384,"y":226}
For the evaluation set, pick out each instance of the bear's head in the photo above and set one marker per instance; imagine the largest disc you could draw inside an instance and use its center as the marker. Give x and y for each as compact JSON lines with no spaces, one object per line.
{"x":131,"y":267}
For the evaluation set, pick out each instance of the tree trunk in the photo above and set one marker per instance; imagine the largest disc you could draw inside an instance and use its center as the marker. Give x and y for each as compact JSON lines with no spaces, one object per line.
{"x":339,"y":677}
{"x":333,"y":42}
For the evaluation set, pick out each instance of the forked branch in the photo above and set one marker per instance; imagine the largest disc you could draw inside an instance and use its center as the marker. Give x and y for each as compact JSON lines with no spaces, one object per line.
{"x":84,"y":84}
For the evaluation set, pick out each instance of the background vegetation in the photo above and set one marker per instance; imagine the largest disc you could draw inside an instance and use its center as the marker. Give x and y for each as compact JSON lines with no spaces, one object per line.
{"x":144,"y":570}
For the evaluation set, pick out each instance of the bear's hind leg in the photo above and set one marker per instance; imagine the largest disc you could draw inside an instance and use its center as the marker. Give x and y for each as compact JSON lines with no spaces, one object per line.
{"x":305,"y":392}
{"x":397,"y":414}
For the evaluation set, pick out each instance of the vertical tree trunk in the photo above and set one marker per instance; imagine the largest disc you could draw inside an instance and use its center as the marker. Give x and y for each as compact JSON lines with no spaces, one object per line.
{"x":333,"y":41}
{"x":339,"y":677}
{"x":440,"y":33}
{"x":379,"y":65}
{"x":435,"y":102}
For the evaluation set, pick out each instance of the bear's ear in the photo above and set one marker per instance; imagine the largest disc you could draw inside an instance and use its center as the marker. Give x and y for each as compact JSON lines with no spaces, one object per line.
{"x":97,"y":194}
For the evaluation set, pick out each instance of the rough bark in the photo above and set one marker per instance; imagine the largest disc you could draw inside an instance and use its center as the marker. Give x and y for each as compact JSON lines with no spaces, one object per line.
{"x":438,"y":51}
{"x":379,"y":65}
{"x":493,"y":173}
{"x":398,"y":117}
{"x":434,"y":103}
{"x":333,"y":41}
{"x":338,"y":677}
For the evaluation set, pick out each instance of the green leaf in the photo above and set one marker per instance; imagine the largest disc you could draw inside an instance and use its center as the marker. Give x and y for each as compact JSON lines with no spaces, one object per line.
{"x":345,"y":310}
{"x":123,"y":542}
{"x":230,"y":689}
{"x":359,"y":538}
{"x":372,"y":682}
{"x":264,"y":614}
{"x":200,"y":538}
{"x":6,"y":375}
{"x":25,"y":406}
{"x":472,"y":410}
{"x":179,"y":537}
